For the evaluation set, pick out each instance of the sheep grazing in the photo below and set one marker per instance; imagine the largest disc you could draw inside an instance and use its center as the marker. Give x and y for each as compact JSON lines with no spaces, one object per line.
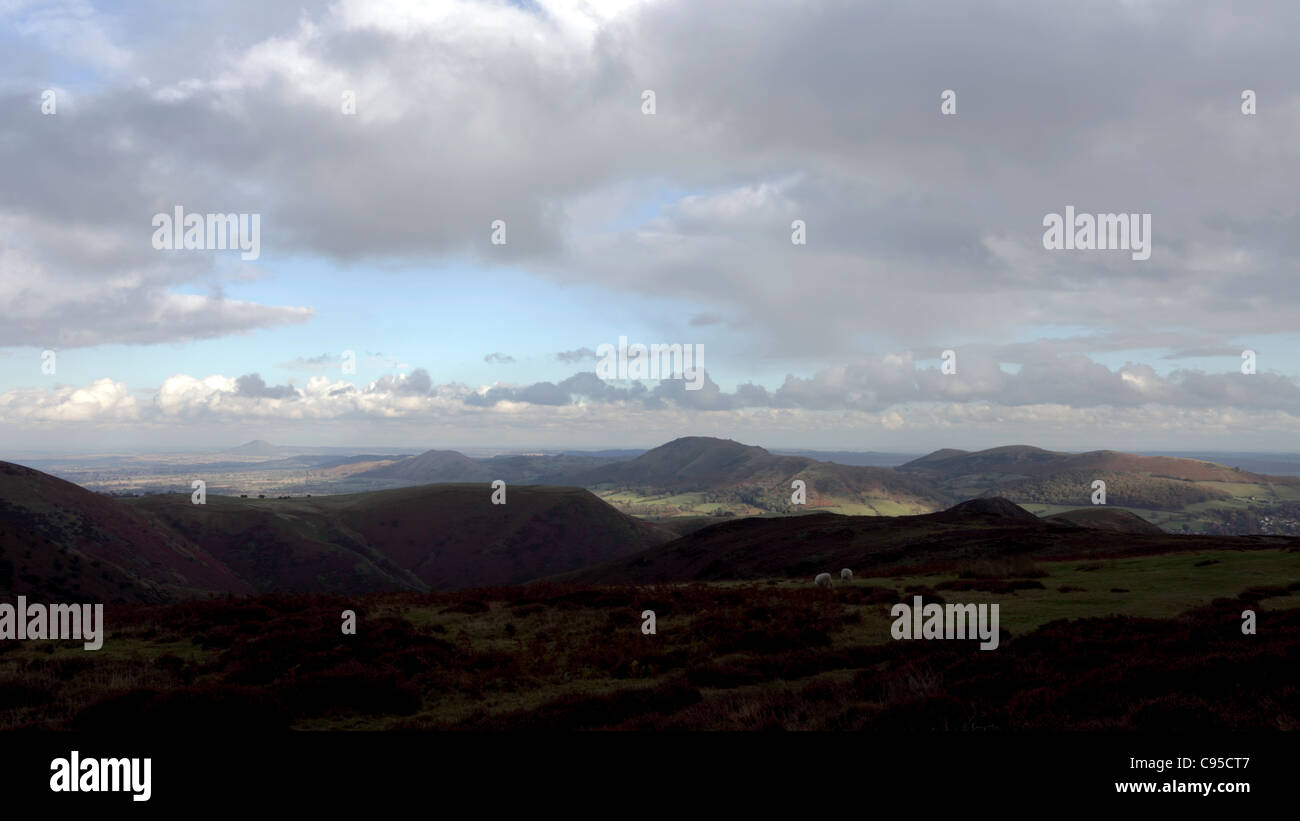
{"x":822,"y":580}
{"x":846,"y":575}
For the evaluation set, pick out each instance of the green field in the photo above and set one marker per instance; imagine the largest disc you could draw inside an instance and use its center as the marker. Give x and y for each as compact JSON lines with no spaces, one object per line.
{"x":687,"y":505}
{"x":1157,"y":587}
{"x":1257,"y":498}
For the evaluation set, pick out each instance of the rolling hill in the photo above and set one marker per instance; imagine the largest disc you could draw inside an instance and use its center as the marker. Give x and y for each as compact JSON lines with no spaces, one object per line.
{"x":280,"y":545}
{"x":1103,"y":518}
{"x":64,"y":543}
{"x":1178,"y":494}
{"x":434,"y":466}
{"x":697,"y":463}
{"x":976,"y":530}
{"x":725,"y":472}
{"x":60,"y":540}
{"x":429,"y":537}
{"x":1026,"y":462}
{"x":699,"y":478}
{"x":714,"y":475}
{"x":258,"y":448}
{"x":451,"y":536}
{"x":441,"y":466}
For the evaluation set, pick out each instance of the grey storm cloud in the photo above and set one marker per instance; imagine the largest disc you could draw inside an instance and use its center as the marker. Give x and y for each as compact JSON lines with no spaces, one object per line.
{"x":924,"y":232}
{"x":539,"y":393}
{"x":920,"y":227}
{"x":254,"y":387}
{"x":499,"y":358}
{"x":585,"y":385}
{"x":1072,"y":380}
{"x":707,"y":397}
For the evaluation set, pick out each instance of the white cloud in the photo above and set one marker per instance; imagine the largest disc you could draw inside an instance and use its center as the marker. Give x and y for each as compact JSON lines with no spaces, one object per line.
{"x":100,"y":401}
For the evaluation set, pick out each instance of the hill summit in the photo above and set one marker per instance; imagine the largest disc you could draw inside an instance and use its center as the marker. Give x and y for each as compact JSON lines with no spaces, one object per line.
{"x":991,"y":506}
{"x":695,"y":462}
{"x":257,"y":447}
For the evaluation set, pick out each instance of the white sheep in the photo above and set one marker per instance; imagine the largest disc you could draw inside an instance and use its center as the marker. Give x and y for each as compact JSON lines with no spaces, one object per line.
{"x":846,"y":575}
{"x":822,"y":580}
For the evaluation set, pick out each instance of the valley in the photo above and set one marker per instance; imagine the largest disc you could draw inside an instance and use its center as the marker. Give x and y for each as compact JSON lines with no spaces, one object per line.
{"x":711,"y":479}
{"x":224,"y":617}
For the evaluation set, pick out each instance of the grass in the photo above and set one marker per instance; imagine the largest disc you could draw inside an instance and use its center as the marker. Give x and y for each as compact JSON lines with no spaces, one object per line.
{"x":1199,"y":516}
{"x":1158,"y":587}
{"x":684,"y":505}
{"x":772,"y":652}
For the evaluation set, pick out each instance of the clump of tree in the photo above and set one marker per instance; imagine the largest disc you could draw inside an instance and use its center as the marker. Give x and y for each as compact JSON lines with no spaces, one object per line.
{"x":1122,"y":489}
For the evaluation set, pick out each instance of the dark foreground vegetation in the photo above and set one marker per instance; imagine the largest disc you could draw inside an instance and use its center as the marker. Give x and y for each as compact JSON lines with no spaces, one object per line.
{"x":762,"y":655}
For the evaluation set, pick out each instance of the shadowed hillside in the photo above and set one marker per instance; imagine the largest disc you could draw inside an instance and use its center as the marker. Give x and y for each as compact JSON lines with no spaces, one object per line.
{"x":440,"y":466}
{"x":438,"y":537}
{"x":1025,"y":460}
{"x":451,"y":536}
{"x":62,"y":542}
{"x":1103,"y":518}
{"x":1030,"y":467}
{"x":280,"y":544}
{"x":435,"y":466}
{"x":978,"y":530}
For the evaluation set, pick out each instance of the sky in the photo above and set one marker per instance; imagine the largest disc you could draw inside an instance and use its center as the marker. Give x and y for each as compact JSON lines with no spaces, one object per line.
{"x":466,"y":199}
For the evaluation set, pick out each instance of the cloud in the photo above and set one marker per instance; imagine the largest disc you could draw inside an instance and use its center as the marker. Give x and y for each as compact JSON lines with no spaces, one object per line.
{"x":868,"y":179}
{"x":577,"y":355}
{"x":892,"y":399}
{"x":499,"y":359}
{"x":254,"y":386}
{"x":418,"y":383}
{"x":701,"y":320}
{"x":325,"y":361}
{"x":103,"y":400}
{"x":924,"y":231}
{"x":72,"y":28}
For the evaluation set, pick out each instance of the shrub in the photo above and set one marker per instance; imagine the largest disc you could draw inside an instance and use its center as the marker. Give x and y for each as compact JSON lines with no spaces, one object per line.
{"x":1013,"y":567}
{"x":25,"y":694}
{"x":351,"y":688}
{"x":224,"y":710}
